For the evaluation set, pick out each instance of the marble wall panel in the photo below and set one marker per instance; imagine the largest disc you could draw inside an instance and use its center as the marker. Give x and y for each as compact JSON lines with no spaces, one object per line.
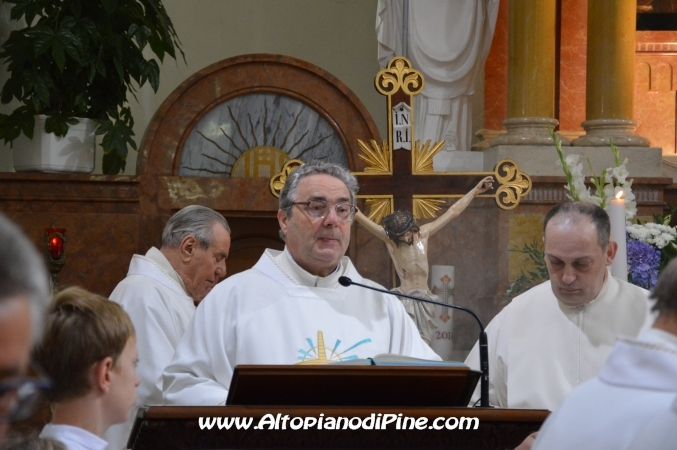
{"x":100,"y":215}
{"x":99,"y":246}
{"x":661,"y":76}
{"x":656,"y":41}
{"x":655,"y":100}
{"x":659,"y":106}
{"x":572,"y":64}
{"x":524,"y":229}
{"x":496,"y":73}
{"x":642,"y":77}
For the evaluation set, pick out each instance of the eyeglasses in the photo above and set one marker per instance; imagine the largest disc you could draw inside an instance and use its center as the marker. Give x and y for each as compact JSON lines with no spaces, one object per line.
{"x":19,"y":398}
{"x":318,"y":209}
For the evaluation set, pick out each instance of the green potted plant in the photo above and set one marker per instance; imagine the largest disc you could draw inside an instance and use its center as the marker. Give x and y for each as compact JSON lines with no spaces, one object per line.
{"x":79,"y":59}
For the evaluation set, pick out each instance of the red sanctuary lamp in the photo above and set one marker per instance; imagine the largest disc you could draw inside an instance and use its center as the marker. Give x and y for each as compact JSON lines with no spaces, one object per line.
{"x":55,"y":252}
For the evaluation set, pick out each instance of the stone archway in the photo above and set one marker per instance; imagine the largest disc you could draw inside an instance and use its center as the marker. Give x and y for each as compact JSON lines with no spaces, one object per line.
{"x":259,"y":109}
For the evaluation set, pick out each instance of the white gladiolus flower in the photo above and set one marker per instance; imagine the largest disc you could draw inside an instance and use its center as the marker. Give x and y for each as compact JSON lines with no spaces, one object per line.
{"x":609,"y":191}
{"x":577,"y":171}
{"x":571,"y":160}
{"x":620,"y":173}
{"x":612,"y":181}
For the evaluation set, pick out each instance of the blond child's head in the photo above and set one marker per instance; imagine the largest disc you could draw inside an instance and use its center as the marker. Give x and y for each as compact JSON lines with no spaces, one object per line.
{"x":89,"y":349}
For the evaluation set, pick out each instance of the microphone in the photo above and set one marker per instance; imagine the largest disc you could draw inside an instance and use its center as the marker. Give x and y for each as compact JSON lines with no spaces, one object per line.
{"x":484,"y":347}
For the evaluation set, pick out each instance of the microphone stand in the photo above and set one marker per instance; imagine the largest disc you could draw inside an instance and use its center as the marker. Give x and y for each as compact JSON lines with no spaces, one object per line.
{"x":484,"y":347}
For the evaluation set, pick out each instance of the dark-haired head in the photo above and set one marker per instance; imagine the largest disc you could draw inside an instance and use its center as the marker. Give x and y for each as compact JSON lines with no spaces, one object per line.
{"x":398,"y":224}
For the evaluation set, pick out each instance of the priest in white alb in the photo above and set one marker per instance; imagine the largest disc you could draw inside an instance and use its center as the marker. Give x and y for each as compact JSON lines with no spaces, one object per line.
{"x":558,"y":334}
{"x":630,"y":403}
{"x":289,"y":308}
{"x":160,"y":293}
{"x":660,"y":433}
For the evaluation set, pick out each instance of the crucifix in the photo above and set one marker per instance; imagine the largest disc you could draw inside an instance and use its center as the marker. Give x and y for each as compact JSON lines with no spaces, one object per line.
{"x":400,"y":171}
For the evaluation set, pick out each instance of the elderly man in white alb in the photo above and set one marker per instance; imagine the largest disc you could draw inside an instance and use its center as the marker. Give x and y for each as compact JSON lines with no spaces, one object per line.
{"x":160,"y":293}
{"x":289,"y":308}
{"x":635,"y":390}
{"x":558,"y":334}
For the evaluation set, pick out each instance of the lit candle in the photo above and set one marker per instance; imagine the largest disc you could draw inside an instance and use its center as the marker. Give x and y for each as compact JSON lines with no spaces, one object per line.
{"x":619,"y":266}
{"x":55,"y":242}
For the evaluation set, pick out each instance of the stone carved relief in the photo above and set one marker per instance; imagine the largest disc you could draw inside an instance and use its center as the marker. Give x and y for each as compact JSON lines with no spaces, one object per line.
{"x":253,"y":135}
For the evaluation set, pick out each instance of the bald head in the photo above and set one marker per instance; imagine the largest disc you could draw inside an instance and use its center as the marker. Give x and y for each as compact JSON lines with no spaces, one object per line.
{"x":578,"y":213}
{"x":577,"y":251}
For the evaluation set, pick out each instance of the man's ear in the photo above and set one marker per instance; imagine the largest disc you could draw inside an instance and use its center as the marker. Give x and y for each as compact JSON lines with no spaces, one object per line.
{"x":101,"y":373}
{"x":611,"y":250}
{"x":187,"y":248}
{"x":282,"y":219}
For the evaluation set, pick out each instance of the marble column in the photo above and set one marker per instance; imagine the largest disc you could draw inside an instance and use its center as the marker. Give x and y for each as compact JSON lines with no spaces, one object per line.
{"x":610,"y":75}
{"x":531,"y":73}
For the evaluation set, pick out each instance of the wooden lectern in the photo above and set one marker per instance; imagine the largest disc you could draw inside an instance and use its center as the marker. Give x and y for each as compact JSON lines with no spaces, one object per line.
{"x":421,"y":403}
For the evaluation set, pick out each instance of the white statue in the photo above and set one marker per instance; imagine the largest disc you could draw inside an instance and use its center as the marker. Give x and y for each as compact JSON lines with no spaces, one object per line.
{"x":448,"y":41}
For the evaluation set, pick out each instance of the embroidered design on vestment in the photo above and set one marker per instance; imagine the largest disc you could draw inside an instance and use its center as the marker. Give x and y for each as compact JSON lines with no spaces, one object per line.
{"x":318,"y":353}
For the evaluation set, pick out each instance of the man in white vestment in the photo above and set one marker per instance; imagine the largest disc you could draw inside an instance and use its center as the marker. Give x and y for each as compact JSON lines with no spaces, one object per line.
{"x":160,"y":293}
{"x":660,"y":433}
{"x":289,"y":308}
{"x":635,"y":389}
{"x":558,"y":334}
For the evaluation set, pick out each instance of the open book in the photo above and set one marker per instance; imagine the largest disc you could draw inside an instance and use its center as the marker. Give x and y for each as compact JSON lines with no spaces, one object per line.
{"x":391,"y":359}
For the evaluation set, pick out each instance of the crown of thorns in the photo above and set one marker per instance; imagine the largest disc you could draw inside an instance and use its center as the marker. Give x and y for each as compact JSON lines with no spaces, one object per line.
{"x":398,"y":224}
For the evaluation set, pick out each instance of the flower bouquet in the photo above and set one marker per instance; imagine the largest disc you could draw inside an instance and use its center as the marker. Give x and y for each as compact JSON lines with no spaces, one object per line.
{"x":650,"y":247}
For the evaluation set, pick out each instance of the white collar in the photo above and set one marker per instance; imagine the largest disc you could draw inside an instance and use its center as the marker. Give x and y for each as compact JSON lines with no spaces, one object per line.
{"x":74,"y":438}
{"x":286,"y":264}
{"x":648,"y":362}
{"x":156,"y":256}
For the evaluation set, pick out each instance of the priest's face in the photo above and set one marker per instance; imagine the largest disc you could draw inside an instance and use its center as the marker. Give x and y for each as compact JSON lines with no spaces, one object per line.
{"x":576,"y":263}
{"x":317,"y":244}
{"x":204,"y":268}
